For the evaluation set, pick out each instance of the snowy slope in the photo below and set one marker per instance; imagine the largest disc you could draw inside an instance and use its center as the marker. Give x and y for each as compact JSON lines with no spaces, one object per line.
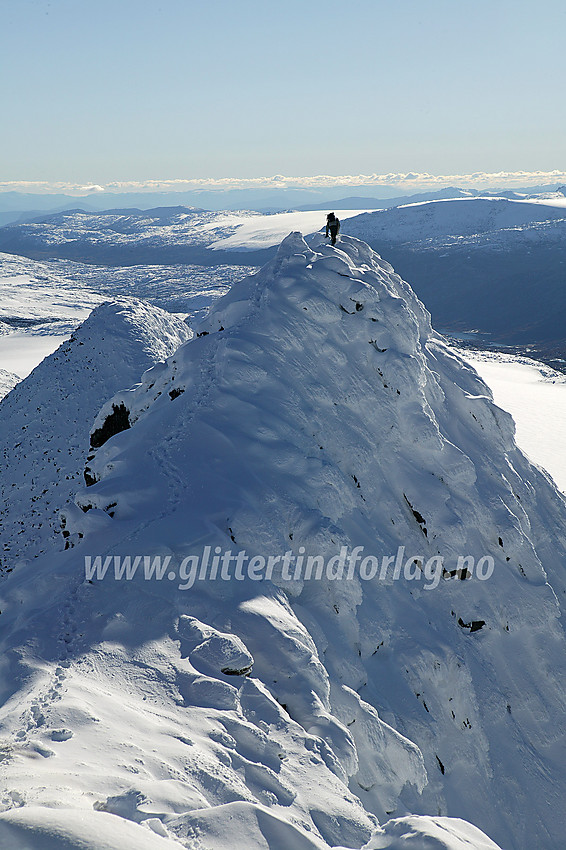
{"x":32,"y":298}
{"x":44,"y":421}
{"x":38,"y":311}
{"x":8,"y":381}
{"x":54,"y":296}
{"x":535,"y":396}
{"x":265,"y":231}
{"x":317,"y":410}
{"x":41,"y":303}
{"x":21,"y":351}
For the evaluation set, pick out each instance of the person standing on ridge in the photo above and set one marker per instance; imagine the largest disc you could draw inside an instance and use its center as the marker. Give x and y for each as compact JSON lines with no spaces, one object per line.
{"x":332,"y":225}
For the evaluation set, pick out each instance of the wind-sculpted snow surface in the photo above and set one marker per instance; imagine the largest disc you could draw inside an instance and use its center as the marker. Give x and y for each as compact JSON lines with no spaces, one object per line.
{"x":45,"y":420}
{"x":275,"y":644}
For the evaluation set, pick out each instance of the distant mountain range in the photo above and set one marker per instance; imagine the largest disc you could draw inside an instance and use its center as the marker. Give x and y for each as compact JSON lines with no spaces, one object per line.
{"x":124,"y":237}
{"x":358,"y":202}
{"x":20,"y":206}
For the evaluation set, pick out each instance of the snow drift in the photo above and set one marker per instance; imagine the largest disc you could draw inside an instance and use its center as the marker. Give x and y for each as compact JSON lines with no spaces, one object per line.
{"x":315,"y":414}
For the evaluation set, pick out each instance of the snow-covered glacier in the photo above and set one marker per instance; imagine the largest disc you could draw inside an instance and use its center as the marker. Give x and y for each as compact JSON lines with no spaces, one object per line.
{"x":312,"y":597}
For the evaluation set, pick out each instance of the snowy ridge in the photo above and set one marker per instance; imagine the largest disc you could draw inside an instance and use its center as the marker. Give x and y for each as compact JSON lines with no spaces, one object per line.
{"x":316,"y":410}
{"x":44,"y":421}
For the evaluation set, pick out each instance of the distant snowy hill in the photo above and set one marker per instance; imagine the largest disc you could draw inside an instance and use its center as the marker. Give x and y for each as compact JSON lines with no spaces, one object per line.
{"x":119,"y":237}
{"x":209,"y":700}
{"x":44,"y":421}
{"x":444,"y":221}
{"x":487,"y":264}
{"x":163,"y":235}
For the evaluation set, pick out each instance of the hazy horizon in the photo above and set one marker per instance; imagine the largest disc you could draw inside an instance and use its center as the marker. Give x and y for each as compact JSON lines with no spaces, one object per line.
{"x":379,"y":183}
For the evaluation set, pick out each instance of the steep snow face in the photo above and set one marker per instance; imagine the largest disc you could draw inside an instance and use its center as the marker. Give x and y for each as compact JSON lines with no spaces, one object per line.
{"x":315,"y":414}
{"x":44,"y":421}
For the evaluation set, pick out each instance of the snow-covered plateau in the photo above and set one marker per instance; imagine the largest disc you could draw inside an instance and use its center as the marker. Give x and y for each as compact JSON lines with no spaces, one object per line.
{"x":445,"y":221}
{"x":309,"y":594}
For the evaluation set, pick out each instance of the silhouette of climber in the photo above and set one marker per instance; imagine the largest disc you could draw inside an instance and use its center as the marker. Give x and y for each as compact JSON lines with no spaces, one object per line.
{"x":332,"y":225}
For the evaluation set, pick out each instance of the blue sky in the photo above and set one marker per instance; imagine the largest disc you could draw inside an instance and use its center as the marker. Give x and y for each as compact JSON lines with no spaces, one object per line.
{"x":123,"y":91}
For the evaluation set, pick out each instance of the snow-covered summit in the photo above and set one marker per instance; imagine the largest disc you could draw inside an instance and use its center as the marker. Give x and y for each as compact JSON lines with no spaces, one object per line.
{"x":362,"y":673}
{"x":45,"y":420}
